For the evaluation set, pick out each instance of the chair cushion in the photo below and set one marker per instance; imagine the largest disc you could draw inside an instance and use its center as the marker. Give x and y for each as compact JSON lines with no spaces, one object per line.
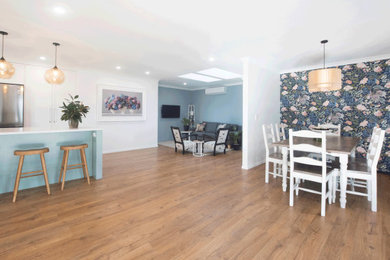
{"x":209,"y":147}
{"x":276,"y":156}
{"x":211,"y":127}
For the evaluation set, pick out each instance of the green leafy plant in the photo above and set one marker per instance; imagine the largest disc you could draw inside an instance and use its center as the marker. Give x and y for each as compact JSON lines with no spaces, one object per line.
{"x":185,"y":121}
{"x":235,"y":136}
{"x":74,"y":109}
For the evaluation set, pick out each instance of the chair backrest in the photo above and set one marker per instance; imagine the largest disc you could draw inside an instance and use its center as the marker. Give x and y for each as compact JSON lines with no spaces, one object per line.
{"x":280,"y":132}
{"x":309,"y":142}
{"x":269,"y":138}
{"x":374,"y":132}
{"x":375,"y":149}
{"x":336,"y":128}
{"x":176,"y":134}
{"x":222,"y":136}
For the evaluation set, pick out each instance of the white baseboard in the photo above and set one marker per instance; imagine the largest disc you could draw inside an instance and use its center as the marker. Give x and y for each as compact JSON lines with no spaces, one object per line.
{"x":253,"y":165}
{"x":129,"y":149}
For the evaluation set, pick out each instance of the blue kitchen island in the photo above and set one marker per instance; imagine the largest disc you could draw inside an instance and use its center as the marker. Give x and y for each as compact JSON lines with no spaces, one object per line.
{"x":12,"y":139}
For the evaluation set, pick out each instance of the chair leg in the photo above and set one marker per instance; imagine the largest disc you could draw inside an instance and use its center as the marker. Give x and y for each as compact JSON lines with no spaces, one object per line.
{"x":64,"y":171}
{"x":369,"y":190}
{"x":85,"y":165}
{"x":335,"y":184}
{"x":374,"y":193}
{"x":17,"y":180}
{"x":62,"y":167}
{"x":274,"y":170}
{"x":297,"y":186}
{"x":330,"y":189}
{"x":323,"y":199}
{"x":266,"y":171}
{"x":291,"y":190}
{"x":43,"y":163}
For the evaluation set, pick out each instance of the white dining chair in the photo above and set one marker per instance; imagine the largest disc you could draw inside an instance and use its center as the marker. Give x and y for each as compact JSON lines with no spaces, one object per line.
{"x":306,"y":168}
{"x":271,"y":153}
{"x":363,"y":172}
{"x":280,"y":132}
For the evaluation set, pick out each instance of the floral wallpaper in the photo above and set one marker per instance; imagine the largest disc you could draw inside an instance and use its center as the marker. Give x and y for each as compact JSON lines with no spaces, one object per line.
{"x":362,"y":103}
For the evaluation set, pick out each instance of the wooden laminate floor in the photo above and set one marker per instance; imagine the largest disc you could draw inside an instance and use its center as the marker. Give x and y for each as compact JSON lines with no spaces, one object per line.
{"x":155,"y":204}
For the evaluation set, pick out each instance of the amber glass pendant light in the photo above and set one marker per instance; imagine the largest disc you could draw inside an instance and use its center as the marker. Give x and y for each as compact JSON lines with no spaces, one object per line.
{"x":6,"y":68}
{"x":324,"y":79}
{"x":55,"y":75}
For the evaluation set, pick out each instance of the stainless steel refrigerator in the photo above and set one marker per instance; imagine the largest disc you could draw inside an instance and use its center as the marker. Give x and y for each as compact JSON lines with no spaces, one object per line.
{"x":11,"y":105}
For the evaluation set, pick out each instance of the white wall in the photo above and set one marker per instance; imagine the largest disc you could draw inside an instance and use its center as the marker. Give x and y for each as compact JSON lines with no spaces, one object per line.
{"x":261,"y":105}
{"x":117,"y":136}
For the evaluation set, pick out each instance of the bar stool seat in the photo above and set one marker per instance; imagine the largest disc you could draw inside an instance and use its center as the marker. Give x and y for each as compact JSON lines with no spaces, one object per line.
{"x":65,"y":167}
{"x":21,"y":175}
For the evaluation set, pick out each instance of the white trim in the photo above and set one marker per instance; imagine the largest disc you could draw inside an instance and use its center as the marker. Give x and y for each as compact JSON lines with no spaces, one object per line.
{"x":339,"y":63}
{"x":201,"y":88}
{"x":99,"y":107}
{"x":250,"y":166}
{"x":129,"y":149}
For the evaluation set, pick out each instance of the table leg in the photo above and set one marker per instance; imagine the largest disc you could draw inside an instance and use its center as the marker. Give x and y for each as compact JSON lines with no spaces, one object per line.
{"x":343,"y":179}
{"x":284,"y":168}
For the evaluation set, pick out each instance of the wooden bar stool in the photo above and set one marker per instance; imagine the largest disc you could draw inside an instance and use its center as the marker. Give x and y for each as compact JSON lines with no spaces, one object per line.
{"x":65,"y":167}
{"x":20,"y":174}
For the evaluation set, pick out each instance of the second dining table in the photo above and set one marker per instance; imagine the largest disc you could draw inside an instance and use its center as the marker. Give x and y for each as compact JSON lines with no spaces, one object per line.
{"x":337,"y":146}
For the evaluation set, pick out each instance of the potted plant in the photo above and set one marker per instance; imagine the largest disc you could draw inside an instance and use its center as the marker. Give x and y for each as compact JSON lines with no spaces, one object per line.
{"x":236,"y":137}
{"x":73,"y":111}
{"x":186,"y":123}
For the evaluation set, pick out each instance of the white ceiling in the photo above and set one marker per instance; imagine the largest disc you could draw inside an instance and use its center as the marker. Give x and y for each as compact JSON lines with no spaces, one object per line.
{"x":174,"y":37}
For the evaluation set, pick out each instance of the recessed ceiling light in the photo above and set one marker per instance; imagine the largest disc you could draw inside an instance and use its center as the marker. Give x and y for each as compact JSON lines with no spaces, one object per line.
{"x":219,"y":73}
{"x":59,"y":10}
{"x":185,"y":83}
{"x":118,"y":67}
{"x":42,"y":58}
{"x":198,"y":77}
{"x":211,"y":59}
{"x":147,"y":72}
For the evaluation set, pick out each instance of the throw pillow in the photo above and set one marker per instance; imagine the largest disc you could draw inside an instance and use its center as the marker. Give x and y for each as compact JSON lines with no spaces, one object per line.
{"x":200,"y":127}
{"x":221,"y":126}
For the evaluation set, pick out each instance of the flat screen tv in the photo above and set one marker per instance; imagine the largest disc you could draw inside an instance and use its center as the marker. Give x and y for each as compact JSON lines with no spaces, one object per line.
{"x":170,"y":111}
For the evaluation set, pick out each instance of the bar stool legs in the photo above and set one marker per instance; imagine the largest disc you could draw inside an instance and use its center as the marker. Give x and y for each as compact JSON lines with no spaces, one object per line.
{"x":65,"y":167}
{"x":20,"y":174}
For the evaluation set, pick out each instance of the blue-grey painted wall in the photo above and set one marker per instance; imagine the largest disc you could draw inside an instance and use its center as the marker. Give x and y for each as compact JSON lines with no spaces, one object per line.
{"x":224,"y":108}
{"x":170,"y":96}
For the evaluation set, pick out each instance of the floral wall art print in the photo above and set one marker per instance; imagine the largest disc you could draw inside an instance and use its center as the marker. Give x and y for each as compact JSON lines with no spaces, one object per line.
{"x":120,"y":104}
{"x":362,"y":103}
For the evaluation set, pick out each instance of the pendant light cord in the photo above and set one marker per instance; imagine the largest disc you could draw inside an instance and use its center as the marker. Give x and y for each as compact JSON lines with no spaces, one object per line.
{"x":2,"y":47}
{"x":55,"y":55}
{"x":324,"y":54}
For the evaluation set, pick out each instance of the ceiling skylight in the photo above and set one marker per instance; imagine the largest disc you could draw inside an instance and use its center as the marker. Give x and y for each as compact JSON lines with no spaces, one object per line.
{"x":219,"y":73}
{"x":198,"y":77}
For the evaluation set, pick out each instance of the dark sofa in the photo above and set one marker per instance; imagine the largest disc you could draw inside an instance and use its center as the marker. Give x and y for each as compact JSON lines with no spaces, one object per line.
{"x":210,"y":131}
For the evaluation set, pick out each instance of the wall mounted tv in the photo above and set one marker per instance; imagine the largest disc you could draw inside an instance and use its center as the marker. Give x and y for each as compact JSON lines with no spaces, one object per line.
{"x":170,"y":111}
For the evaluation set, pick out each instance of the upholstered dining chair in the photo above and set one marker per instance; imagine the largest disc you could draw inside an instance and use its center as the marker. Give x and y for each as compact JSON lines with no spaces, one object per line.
{"x":303,"y":167}
{"x":180,"y":143}
{"x":220,"y":144}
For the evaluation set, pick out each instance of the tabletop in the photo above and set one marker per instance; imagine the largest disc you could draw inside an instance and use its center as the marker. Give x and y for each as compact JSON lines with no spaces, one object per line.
{"x":334,"y":144}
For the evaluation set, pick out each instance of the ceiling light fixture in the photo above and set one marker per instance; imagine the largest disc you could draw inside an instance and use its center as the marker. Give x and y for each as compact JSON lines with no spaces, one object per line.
{"x":55,"y":75}
{"x":6,"y":68}
{"x":211,"y":59}
{"x":147,"y":72}
{"x":198,"y":77}
{"x":118,"y":67}
{"x":324,"y":79}
{"x":219,"y":73}
{"x":42,"y":58}
{"x":185,"y":83}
